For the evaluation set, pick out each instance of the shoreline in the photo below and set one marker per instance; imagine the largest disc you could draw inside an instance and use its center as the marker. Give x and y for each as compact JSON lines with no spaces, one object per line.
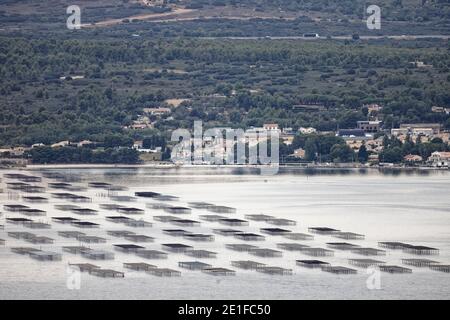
{"x":168,"y":165}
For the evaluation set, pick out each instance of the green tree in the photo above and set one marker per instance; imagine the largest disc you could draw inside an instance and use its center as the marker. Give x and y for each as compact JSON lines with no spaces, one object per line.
{"x":363,"y":155}
{"x":342,"y":153}
{"x":310,"y":149}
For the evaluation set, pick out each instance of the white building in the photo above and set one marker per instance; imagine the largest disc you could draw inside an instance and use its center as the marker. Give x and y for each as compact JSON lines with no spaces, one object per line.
{"x":308,"y":130}
{"x":439,"y":159}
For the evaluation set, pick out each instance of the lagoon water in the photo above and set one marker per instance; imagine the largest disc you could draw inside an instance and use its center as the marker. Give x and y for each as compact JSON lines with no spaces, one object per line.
{"x":409,"y":207}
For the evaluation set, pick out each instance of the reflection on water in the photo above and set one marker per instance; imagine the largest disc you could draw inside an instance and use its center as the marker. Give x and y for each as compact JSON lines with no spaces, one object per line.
{"x":387,"y":205}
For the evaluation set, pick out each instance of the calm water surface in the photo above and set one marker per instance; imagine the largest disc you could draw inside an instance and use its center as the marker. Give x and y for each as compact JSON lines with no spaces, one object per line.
{"x":413,"y":208}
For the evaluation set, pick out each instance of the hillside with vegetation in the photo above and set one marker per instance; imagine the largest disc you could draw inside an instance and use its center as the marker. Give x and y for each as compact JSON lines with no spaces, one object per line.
{"x":94,"y":83}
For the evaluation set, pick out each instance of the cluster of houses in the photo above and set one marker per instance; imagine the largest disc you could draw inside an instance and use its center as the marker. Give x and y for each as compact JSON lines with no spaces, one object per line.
{"x":16,"y":152}
{"x":144,"y":121}
{"x":367,"y":133}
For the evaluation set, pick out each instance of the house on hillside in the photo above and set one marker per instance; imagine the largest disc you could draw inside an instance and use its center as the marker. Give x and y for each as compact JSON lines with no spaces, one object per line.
{"x":439,"y":159}
{"x":412,"y":159}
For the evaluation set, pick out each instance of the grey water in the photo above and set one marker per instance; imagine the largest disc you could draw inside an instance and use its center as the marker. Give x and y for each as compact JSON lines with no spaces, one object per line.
{"x":410,"y":207}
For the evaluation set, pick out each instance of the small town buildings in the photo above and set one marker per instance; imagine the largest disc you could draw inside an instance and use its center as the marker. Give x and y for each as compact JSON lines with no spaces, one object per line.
{"x":299,"y":153}
{"x":160,"y":111}
{"x":271,"y":126}
{"x":307,"y":130}
{"x":439,"y":159}
{"x":351,"y":133}
{"x":373,"y":109}
{"x":60,"y":144}
{"x":412,"y":159}
{"x":416,"y":128}
{"x":369,"y":126}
